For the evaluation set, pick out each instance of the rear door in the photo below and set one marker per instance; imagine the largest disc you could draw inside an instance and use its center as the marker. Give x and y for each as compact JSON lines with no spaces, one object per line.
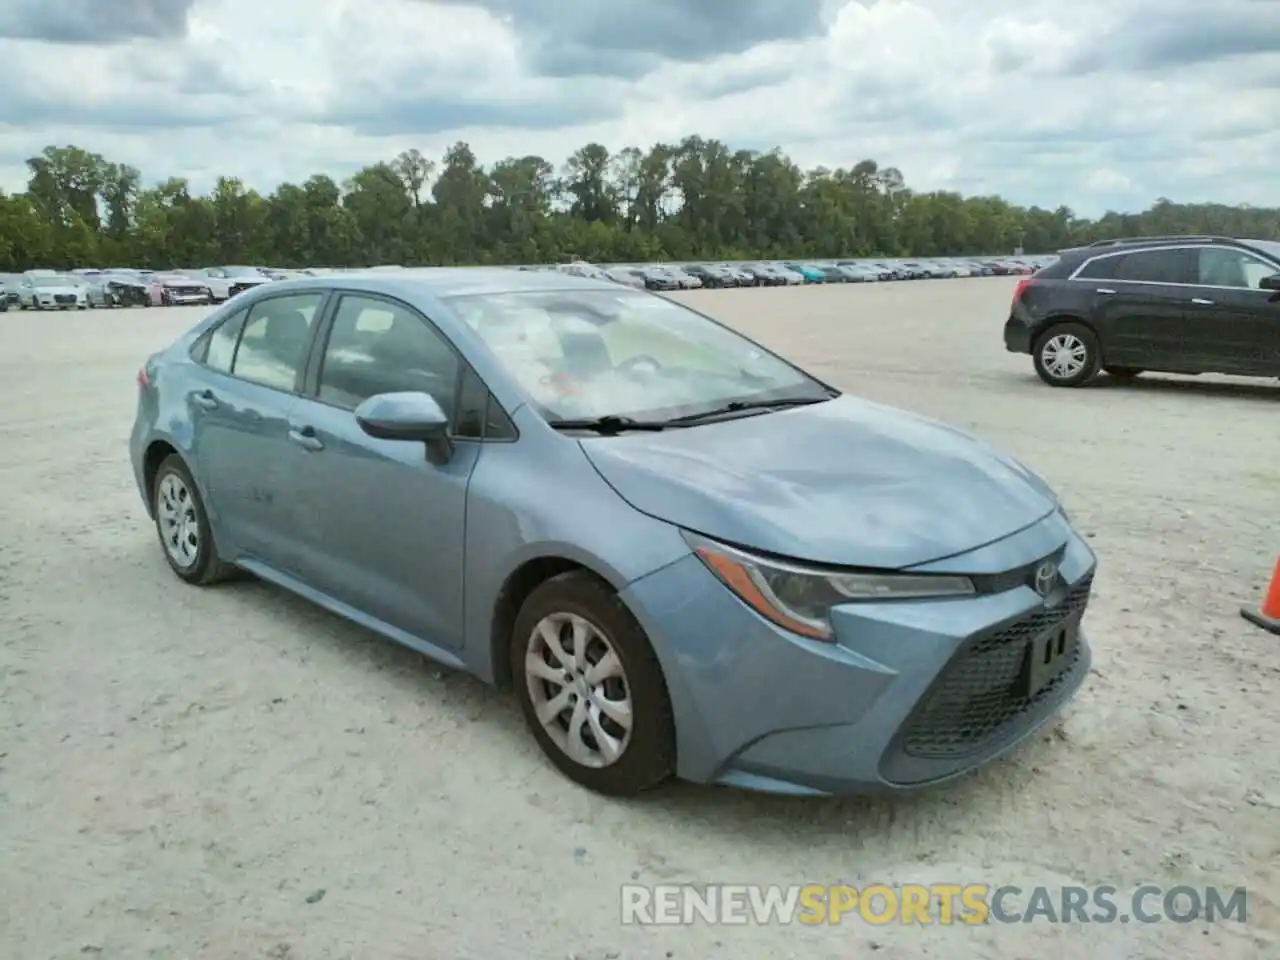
{"x":1232,"y":313}
{"x":250,"y":371}
{"x":1139,"y":307}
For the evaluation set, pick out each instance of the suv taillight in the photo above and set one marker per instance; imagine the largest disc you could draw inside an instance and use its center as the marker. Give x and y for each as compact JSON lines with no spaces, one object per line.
{"x":1021,"y":288}
{"x":143,"y":382}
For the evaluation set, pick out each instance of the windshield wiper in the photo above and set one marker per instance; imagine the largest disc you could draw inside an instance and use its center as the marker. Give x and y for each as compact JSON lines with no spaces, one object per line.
{"x":610,"y":424}
{"x":737,"y":406}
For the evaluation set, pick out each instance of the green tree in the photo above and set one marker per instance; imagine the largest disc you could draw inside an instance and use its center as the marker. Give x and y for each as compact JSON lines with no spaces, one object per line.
{"x":698,"y":198}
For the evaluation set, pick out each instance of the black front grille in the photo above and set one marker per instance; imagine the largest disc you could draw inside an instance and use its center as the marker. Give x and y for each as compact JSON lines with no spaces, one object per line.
{"x":983,"y":690}
{"x":64,"y":298}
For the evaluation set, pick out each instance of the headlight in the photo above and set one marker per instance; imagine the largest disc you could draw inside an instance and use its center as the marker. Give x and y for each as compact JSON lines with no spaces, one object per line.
{"x":799,"y":598}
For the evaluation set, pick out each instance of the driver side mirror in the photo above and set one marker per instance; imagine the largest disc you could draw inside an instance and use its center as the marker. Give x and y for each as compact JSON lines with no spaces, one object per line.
{"x":1270,"y":283}
{"x":415,"y":417}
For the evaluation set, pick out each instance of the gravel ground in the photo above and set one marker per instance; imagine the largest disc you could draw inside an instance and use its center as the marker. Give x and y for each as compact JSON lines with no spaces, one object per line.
{"x":231,"y":773}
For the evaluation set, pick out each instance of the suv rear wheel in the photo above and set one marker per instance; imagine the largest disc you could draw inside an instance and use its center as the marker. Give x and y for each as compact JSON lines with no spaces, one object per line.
{"x":1067,"y":355}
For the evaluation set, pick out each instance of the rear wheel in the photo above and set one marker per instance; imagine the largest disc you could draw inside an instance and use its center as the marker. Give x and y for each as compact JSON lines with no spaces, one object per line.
{"x":1067,"y":355}
{"x":183,"y":526}
{"x":590,"y":687}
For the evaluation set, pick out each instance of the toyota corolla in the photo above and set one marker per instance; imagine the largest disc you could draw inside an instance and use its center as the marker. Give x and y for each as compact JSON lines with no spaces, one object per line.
{"x":686,"y":555}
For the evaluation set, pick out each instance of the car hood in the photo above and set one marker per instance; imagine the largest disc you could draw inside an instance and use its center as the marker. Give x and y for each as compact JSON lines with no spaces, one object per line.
{"x":847,"y":482}
{"x":56,"y":288}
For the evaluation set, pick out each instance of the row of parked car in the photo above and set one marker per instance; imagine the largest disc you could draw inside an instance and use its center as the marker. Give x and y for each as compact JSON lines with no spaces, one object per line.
{"x":82,"y":289}
{"x":685,"y":276}
{"x":124,"y":287}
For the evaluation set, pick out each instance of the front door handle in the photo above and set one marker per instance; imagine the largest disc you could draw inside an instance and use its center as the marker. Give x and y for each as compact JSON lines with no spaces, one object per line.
{"x":306,"y":438}
{"x":206,"y":399}
{"x":1202,"y":301}
{"x":1105,"y":291}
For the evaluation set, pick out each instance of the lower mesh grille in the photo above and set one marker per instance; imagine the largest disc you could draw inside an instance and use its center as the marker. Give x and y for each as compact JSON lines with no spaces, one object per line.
{"x":984,"y":690}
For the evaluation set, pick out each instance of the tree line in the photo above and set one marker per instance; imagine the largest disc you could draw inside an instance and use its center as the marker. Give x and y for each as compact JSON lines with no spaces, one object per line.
{"x":696,"y":199}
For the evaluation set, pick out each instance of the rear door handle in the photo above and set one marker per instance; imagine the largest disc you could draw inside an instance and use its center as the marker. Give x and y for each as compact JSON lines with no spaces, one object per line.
{"x":1202,"y":301}
{"x":206,"y":399}
{"x":1105,"y":291}
{"x":306,"y":438}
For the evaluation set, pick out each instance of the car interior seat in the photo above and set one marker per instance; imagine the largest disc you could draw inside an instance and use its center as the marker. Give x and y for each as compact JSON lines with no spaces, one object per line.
{"x":285,"y":336}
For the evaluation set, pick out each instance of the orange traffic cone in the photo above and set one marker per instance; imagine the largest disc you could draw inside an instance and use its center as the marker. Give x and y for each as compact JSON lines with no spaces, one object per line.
{"x":1268,"y":615}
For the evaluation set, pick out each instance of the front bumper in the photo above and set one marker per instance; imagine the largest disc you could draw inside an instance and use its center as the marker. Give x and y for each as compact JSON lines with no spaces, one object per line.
{"x":910,"y":695}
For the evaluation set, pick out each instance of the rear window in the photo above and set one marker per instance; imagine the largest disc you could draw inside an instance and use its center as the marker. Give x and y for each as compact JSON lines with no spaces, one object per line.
{"x":1104,"y":268}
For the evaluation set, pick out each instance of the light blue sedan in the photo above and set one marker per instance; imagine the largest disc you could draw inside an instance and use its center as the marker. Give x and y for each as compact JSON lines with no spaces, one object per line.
{"x":686,"y":555}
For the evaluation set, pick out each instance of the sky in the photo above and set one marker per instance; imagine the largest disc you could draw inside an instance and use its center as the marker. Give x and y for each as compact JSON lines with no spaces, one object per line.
{"x":1096,"y":104}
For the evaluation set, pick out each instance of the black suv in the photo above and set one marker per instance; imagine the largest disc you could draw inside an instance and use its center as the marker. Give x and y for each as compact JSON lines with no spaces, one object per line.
{"x":1173,"y":304}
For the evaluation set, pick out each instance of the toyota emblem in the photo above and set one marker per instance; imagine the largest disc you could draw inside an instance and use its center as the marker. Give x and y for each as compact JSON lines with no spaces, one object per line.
{"x":1046,"y":577}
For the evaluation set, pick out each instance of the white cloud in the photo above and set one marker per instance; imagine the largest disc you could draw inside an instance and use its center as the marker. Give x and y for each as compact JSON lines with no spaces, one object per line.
{"x":1043,"y":102}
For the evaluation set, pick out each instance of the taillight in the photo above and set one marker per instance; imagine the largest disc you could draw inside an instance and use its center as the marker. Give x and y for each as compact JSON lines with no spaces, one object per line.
{"x":143,"y":381}
{"x":1021,"y":288}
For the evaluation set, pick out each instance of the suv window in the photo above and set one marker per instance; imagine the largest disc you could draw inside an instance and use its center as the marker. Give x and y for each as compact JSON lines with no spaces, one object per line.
{"x":379,"y":346}
{"x":1104,"y":268}
{"x":1176,"y":265}
{"x":1226,"y":267}
{"x":273,"y":347}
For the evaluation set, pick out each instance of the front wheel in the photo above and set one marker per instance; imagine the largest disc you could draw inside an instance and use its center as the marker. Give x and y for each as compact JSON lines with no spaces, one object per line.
{"x":1067,"y":355}
{"x":590,"y":687}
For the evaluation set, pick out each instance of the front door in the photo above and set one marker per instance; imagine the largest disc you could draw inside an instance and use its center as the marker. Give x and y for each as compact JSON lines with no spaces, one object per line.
{"x":384,"y":527}
{"x":1239,"y":319}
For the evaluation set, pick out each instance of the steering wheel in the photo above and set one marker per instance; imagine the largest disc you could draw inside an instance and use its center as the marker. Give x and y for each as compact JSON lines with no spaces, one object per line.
{"x":640,"y":365}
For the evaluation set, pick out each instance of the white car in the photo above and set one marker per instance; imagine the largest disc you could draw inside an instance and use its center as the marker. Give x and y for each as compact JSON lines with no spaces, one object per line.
{"x":225,"y":282}
{"x":47,"y":290}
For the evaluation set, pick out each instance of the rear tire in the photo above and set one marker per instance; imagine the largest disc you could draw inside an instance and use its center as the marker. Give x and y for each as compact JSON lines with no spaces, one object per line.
{"x":1067,"y":355}
{"x":576,"y":609}
{"x":182,"y":525}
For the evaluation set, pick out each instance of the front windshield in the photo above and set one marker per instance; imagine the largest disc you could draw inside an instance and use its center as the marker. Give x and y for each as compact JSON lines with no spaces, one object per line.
{"x":583,"y":354}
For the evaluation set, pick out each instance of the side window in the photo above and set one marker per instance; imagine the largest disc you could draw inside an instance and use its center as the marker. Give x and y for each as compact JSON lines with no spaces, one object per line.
{"x":480,"y":416}
{"x":1177,"y":265}
{"x":377,"y":346}
{"x":473,"y":401}
{"x":220,"y":343}
{"x":273,"y":348}
{"x":1104,"y":268}
{"x":1224,"y":267}
{"x":497,"y":425}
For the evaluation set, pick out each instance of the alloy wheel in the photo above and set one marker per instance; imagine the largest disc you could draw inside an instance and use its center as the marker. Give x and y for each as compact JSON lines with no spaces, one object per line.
{"x":579,"y":689}
{"x":1064,"y":356}
{"x":178,"y":521}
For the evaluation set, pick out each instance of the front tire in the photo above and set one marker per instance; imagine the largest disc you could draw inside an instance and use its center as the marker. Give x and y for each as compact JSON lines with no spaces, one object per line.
{"x":1067,"y":355}
{"x":591,"y":688}
{"x":183,"y":526}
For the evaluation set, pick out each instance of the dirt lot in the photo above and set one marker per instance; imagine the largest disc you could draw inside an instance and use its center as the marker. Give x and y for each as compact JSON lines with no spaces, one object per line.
{"x":182,"y":772}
